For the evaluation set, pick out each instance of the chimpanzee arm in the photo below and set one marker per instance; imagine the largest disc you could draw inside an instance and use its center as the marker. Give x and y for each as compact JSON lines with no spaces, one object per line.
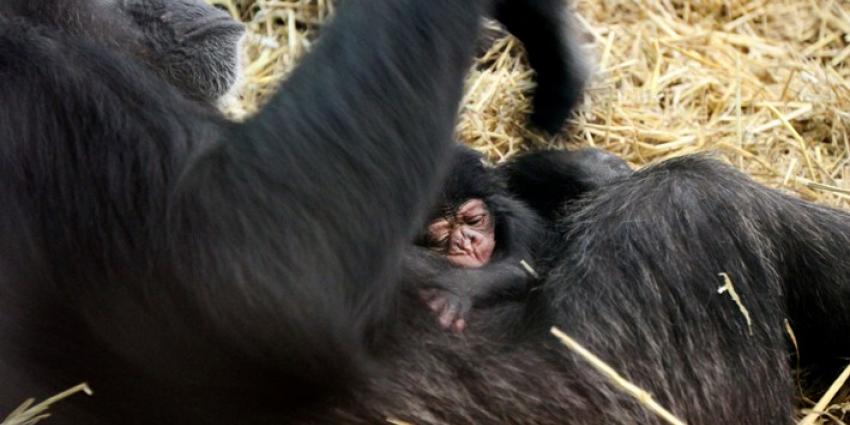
{"x":546,"y":180}
{"x":300,"y":213}
{"x":425,"y":269}
{"x":451,"y":292}
{"x":492,"y":283}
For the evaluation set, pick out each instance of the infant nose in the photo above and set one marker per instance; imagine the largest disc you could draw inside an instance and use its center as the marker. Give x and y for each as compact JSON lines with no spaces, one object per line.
{"x":462,"y":241}
{"x":470,"y":235}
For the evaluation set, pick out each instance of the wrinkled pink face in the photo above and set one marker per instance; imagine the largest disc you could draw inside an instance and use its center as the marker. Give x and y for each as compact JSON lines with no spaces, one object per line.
{"x":468,"y":238}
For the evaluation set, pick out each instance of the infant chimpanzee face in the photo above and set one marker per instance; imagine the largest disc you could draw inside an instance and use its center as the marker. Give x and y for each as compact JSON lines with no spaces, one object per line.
{"x":466,"y":235}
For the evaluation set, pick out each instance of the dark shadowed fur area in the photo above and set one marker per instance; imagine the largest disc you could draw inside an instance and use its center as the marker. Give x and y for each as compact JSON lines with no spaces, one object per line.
{"x":199,"y":271}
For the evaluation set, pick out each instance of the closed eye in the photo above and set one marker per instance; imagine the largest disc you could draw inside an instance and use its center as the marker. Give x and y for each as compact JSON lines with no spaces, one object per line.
{"x":440,"y":247}
{"x":438,"y":244}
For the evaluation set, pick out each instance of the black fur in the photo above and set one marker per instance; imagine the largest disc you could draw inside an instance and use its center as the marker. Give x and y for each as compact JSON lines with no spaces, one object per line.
{"x":199,"y":271}
{"x":546,"y":181}
{"x":188,"y":42}
{"x":195,"y":270}
{"x":194,"y":45}
{"x":634,"y":276}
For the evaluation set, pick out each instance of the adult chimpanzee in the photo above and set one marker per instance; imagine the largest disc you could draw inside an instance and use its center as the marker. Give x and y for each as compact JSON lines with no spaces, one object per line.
{"x":479,"y":242}
{"x":144,"y":236}
{"x":633,"y":274}
{"x":200,"y":271}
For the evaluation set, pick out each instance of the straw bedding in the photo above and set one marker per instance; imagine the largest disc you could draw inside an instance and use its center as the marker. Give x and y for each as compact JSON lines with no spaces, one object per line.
{"x":765,"y":84}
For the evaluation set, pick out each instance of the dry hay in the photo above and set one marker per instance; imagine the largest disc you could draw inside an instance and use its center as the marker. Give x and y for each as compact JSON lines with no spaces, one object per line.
{"x":32,"y":413}
{"x":763,"y":84}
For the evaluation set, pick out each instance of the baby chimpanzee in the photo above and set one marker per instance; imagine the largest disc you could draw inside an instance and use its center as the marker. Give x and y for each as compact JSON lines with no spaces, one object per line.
{"x":480,"y":242}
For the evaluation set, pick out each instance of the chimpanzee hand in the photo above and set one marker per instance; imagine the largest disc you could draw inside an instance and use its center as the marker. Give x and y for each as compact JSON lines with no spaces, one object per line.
{"x":452,"y":294}
{"x":449,"y":307}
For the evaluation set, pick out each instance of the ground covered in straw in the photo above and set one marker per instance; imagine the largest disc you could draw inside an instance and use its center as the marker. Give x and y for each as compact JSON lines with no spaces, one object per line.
{"x":765,"y":84}
{"x":762,"y":84}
